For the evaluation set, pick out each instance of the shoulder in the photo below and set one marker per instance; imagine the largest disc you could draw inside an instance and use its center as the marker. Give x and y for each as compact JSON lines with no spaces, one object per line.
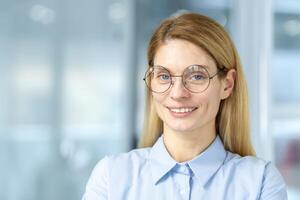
{"x":251,"y":165}
{"x":121,"y":168}
{"x":133,"y":157}
{"x":259,"y":173}
{"x":246,"y":162}
{"x":248,"y":169}
{"x":112,"y":165}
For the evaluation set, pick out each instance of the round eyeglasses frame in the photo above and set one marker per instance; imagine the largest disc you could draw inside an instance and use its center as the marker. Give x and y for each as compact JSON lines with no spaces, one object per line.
{"x":183,"y":82}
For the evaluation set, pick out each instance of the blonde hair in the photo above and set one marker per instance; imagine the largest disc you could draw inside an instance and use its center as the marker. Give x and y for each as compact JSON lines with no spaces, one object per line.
{"x":232,"y":121}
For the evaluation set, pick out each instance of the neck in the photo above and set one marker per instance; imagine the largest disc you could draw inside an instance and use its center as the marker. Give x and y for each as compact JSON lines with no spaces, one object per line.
{"x":185,"y":146}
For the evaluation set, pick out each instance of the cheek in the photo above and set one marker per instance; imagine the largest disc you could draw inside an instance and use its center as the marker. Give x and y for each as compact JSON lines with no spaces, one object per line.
{"x":158,"y":103}
{"x":214,"y":103}
{"x":209,"y":102}
{"x":158,"y":99}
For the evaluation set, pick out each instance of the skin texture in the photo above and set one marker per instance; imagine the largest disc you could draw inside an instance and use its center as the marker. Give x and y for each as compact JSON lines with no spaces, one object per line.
{"x":187,"y":135}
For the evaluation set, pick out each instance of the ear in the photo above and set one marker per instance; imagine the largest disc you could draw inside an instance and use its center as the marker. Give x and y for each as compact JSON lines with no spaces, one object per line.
{"x":228,"y":84}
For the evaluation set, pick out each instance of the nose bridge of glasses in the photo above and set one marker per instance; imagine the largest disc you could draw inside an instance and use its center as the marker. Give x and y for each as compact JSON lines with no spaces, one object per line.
{"x":179,"y":89}
{"x":180,"y":86}
{"x":174,"y":77}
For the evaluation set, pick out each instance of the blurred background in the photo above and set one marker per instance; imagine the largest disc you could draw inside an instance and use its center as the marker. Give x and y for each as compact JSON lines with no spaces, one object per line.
{"x":71,"y":86}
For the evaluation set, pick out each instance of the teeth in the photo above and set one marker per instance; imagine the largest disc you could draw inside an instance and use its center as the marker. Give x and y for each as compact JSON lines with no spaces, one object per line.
{"x":181,"y":110}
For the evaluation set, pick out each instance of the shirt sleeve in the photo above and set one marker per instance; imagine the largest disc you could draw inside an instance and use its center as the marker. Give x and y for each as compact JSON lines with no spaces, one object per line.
{"x":97,"y":185}
{"x":273,"y":186}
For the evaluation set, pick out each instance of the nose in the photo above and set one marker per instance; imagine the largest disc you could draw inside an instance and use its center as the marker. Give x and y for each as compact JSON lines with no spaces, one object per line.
{"x":178,"y":91}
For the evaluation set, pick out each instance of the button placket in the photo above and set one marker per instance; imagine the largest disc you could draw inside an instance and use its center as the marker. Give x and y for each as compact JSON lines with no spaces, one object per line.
{"x":182,"y":181}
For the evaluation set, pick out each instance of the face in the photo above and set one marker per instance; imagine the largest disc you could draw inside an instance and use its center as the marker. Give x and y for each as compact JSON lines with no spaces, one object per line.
{"x":179,"y":109}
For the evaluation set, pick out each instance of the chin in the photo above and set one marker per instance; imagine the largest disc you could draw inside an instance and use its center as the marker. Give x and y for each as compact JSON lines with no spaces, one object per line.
{"x":180,"y":127}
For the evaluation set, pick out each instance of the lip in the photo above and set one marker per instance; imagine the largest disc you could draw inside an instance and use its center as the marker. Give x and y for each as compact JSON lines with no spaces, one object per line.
{"x":182,"y":111}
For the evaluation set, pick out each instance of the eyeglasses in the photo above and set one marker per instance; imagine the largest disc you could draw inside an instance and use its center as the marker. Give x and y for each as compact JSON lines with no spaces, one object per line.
{"x":195,"y":78}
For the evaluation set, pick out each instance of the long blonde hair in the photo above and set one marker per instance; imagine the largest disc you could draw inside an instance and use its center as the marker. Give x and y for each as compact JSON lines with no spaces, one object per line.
{"x":232,"y":121}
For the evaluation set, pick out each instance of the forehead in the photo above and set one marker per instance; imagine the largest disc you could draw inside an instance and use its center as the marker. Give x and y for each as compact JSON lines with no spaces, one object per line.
{"x":176,"y":55}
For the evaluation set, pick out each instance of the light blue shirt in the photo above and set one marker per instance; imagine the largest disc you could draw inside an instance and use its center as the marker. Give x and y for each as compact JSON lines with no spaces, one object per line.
{"x":215,"y":174}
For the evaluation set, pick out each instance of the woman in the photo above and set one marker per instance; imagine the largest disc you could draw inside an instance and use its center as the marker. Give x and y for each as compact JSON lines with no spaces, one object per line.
{"x":196,"y":141}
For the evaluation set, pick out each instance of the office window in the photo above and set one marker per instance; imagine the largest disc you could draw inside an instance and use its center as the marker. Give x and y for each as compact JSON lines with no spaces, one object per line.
{"x":286,"y":93}
{"x":63,"y":69}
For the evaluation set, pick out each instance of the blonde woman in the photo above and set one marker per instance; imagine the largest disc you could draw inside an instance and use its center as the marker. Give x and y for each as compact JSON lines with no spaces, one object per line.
{"x":196,"y":141}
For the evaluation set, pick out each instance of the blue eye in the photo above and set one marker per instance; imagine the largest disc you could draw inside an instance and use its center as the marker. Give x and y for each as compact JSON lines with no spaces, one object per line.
{"x":164,"y":77}
{"x":197,"y":77}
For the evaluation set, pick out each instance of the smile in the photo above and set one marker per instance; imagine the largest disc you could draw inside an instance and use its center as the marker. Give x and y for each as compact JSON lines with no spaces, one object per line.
{"x":182,"y":110}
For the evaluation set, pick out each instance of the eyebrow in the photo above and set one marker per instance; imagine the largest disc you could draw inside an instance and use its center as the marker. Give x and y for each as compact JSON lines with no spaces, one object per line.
{"x":208,"y":68}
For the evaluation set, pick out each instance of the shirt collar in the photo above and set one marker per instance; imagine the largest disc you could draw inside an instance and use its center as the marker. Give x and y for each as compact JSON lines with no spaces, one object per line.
{"x":160,"y":160}
{"x":203,"y":166}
